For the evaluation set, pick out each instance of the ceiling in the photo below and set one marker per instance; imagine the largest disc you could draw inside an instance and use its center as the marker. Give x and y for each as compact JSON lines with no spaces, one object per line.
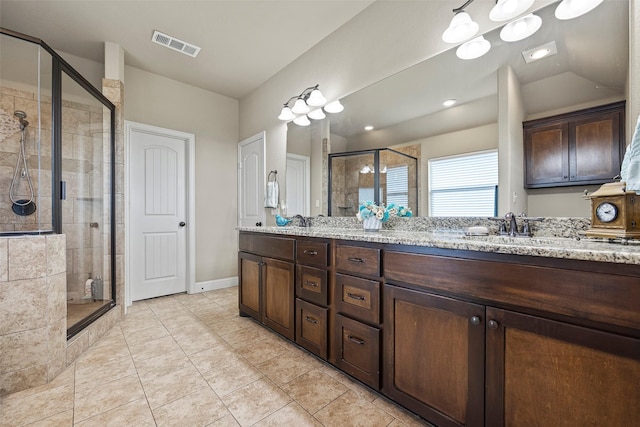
{"x":244,"y":43}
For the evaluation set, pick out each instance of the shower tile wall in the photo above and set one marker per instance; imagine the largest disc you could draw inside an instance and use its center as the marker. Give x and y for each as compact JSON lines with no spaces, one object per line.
{"x":11,"y":100}
{"x":82,"y":164}
{"x":32,"y":311}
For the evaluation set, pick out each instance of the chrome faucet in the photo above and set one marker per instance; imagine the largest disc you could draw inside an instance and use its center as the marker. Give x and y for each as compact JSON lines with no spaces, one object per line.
{"x":509,"y":225}
{"x":303,"y":222}
{"x":513,"y":224}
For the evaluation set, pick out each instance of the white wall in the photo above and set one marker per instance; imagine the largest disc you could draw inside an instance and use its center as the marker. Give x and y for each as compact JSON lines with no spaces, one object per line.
{"x":213,"y":118}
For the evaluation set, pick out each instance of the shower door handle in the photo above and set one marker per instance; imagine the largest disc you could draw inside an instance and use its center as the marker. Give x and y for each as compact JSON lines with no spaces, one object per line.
{"x":182,"y":224}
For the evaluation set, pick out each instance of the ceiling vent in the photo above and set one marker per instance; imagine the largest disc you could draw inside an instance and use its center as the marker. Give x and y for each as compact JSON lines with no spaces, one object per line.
{"x":175,"y":44}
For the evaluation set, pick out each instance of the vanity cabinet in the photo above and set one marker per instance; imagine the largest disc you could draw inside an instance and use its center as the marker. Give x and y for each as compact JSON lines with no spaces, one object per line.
{"x":461,"y":338}
{"x":357,"y":288}
{"x":434,"y":356}
{"x":579,"y":148}
{"x":555,"y":357}
{"x":544,"y":372}
{"x":312,"y":285}
{"x":266,"y":283}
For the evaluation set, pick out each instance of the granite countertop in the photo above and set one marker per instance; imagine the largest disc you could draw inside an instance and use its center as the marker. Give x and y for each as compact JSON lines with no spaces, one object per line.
{"x":584,"y":249}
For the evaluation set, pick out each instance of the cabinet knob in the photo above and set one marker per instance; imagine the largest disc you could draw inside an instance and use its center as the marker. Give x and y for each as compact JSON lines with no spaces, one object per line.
{"x":475,"y":320}
{"x":493,"y":324}
{"x":310,"y":319}
{"x":308,"y":252}
{"x":312,"y":284}
{"x":353,"y":259}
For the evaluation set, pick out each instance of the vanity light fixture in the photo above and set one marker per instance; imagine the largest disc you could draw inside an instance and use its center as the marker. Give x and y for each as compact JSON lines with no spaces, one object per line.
{"x":569,"y":9}
{"x":461,"y":28}
{"x":302,"y":120}
{"x":368,"y":128}
{"x":300,"y":107}
{"x":334,"y":107}
{"x":308,"y":105}
{"x":540,"y":52}
{"x":449,"y":102}
{"x":508,"y":9}
{"x":521,"y":28}
{"x":286,"y":114}
{"x":473,"y":48}
{"x":317,"y":114}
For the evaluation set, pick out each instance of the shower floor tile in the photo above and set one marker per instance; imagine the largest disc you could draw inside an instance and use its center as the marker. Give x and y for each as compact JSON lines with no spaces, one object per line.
{"x":182,"y":360}
{"x":77,"y":312}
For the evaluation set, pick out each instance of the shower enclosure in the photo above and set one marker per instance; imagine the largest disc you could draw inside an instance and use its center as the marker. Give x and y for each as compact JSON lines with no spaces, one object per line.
{"x":383,"y":176}
{"x":56,"y":168}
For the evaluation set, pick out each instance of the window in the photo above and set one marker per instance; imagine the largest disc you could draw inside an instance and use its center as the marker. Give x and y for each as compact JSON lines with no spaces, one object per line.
{"x":464,"y":185}
{"x":398,"y":185}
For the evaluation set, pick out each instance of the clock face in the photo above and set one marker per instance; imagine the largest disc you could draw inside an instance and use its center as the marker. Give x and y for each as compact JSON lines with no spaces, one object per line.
{"x":606,"y":212}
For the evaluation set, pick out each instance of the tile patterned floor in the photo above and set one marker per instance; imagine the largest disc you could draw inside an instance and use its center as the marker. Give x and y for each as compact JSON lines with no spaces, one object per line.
{"x":190,"y":360}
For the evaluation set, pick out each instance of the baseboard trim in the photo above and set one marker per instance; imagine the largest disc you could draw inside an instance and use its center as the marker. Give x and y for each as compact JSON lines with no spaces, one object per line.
{"x":212,"y":285}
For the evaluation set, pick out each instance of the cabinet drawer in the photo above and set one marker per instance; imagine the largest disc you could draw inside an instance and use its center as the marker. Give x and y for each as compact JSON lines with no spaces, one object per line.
{"x":312,"y":253}
{"x":358,"y":260}
{"x":311,"y":284}
{"x":358,"y":350}
{"x":311,"y":327}
{"x":357,"y":297}
{"x":271,"y":246}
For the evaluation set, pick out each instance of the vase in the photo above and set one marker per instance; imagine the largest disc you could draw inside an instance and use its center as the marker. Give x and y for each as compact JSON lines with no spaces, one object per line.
{"x":372,"y":224}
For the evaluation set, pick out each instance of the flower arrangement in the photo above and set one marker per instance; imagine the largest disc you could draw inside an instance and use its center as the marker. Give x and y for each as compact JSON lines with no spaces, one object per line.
{"x":369,"y":209}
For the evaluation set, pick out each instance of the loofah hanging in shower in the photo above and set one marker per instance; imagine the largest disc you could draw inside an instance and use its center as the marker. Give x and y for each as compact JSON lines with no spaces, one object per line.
{"x":8,"y":125}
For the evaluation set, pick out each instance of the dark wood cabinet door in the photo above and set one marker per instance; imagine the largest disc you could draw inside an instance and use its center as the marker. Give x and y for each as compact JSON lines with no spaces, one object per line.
{"x":312,"y":284}
{"x":359,"y":298}
{"x":547,"y":373}
{"x":579,"y":148}
{"x":594,"y":148}
{"x":433,"y":360}
{"x":278,"y":289}
{"x":311,"y":327}
{"x":546,"y":155}
{"x":358,"y":349}
{"x":249,"y":293}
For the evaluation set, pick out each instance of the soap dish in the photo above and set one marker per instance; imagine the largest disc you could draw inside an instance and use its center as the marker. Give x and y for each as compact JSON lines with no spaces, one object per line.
{"x":477,"y":231}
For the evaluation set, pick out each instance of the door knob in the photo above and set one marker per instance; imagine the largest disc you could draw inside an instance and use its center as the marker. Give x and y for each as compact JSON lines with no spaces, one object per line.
{"x":182,"y":224}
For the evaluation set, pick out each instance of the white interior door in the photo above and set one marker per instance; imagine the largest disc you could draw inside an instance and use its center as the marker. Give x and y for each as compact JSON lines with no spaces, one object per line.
{"x":157,"y":213}
{"x":251,"y":181}
{"x":297,"y":184}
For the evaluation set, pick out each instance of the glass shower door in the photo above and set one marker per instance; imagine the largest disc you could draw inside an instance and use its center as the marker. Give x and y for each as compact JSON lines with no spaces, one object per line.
{"x":85,"y":202}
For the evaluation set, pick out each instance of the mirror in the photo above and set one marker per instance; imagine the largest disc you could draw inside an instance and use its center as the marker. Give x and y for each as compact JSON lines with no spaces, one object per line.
{"x":589,"y":69}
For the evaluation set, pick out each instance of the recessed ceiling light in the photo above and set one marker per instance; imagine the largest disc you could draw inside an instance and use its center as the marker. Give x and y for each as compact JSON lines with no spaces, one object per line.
{"x":540,"y":52}
{"x":368,"y":128}
{"x":449,"y":102}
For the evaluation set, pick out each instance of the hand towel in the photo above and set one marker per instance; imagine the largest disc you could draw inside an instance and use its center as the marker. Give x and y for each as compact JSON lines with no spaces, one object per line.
{"x":271,"y":201}
{"x":630,"y":172}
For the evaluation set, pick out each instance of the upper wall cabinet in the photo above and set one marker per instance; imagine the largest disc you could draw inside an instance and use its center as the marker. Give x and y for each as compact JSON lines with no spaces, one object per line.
{"x":580,"y":148}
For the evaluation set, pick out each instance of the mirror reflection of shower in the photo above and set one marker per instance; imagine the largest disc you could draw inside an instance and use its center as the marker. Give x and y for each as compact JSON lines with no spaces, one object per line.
{"x":22,"y":206}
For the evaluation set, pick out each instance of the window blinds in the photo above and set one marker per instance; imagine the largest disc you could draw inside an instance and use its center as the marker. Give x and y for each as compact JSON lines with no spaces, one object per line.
{"x":464,"y":185}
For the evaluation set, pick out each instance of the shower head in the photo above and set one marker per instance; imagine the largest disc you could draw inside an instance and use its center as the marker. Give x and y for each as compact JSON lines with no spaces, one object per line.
{"x":21,"y":115}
